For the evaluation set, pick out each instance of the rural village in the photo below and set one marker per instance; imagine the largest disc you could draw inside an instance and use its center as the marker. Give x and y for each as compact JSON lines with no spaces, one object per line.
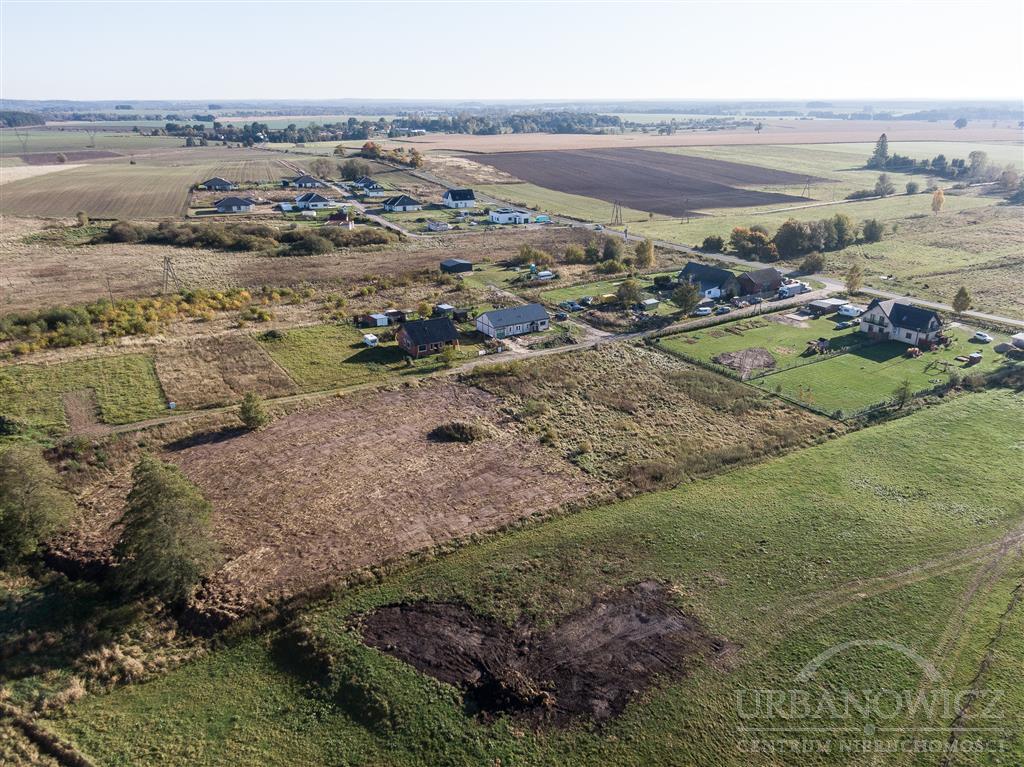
{"x":403,"y":432}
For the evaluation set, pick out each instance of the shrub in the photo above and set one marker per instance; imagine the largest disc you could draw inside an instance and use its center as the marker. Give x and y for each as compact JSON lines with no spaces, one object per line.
{"x":33,"y":505}
{"x":872,"y":230}
{"x":461,"y":431}
{"x":610,"y":267}
{"x":253,"y":412}
{"x":812,"y":263}
{"x":713,"y":244}
{"x":574,"y":254}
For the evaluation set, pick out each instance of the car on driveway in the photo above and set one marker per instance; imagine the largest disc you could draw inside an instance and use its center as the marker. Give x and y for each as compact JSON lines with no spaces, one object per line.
{"x":844,"y":325}
{"x":561,"y":316}
{"x":982,"y":337}
{"x":701,"y":311}
{"x":722,"y":310}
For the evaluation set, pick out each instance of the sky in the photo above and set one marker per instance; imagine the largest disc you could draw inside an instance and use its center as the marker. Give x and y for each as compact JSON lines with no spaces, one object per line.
{"x":491,"y":49}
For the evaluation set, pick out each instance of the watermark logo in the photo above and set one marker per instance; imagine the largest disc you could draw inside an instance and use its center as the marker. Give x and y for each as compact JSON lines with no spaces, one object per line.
{"x":811,"y":716}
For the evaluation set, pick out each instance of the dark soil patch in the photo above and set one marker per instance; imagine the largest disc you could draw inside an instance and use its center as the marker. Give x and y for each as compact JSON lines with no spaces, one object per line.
{"x":747,"y":361}
{"x":50,"y":158}
{"x":660,"y":182}
{"x":590,"y":665}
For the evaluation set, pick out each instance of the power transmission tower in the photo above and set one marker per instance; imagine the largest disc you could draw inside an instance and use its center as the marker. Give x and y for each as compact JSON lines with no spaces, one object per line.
{"x":169,"y":274}
{"x":807,"y":188}
{"x":616,"y":214}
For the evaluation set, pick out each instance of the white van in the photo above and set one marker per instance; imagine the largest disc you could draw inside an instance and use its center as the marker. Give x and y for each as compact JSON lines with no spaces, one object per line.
{"x":793,"y":289}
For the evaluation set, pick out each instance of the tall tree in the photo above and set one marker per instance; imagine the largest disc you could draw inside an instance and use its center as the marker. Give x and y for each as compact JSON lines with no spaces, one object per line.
{"x":854,"y":279}
{"x":872,"y":230}
{"x":33,"y":505}
{"x":628,"y":292}
{"x":165,"y":545}
{"x":645,"y":254}
{"x":938,"y":198}
{"x":686,"y":297}
{"x":961,"y":301}
{"x":903,"y":394}
{"x":880,"y":156}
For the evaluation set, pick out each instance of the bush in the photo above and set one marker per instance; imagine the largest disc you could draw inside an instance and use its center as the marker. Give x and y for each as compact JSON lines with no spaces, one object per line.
{"x":461,"y":431}
{"x":33,"y":505}
{"x":872,"y":230}
{"x":713,"y":244}
{"x":574,"y":254}
{"x":610,"y":267}
{"x":252,"y":411}
{"x":913,"y":187}
{"x":812,"y":263}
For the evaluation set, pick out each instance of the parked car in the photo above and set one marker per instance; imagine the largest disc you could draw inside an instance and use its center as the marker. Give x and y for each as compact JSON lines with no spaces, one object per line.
{"x":756,"y":300}
{"x":722,"y":310}
{"x":844,"y":325}
{"x":982,"y":337}
{"x":586,"y":301}
{"x":574,"y":307}
{"x":561,"y":316}
{"x":701,"y":311}
{"x":598,"y":227}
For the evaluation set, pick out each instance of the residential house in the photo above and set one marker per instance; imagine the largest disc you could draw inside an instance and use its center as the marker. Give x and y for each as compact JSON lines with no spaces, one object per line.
{"x":767,"y":280}
{"x":713,"y":281}
{"x":510,"y":216}
{"x":401,"y":204}
{"x":455,"y":265}
{"x":366,"y":183}
{"x":218,"y":184}
{"x":896,"y":321}
{"x":235,"y":205}
{"x":502,"y":323}
{"x":309,"y":201}
{"x":419,"y":338}
{"x":303,"y":182}
{"x":459,"y":198}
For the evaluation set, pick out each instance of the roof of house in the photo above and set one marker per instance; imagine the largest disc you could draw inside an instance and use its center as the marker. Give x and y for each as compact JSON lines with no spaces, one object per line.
{"x":460,"y":195}
{"x":704,"y":275}
{"x":233,"y":202}
{"x":435,"y":331}
{"x":763,"y":277}
{"x":365,"y":181}
{"x":217,"y":181}
{"x":311,"y":197}
{"x":450,"y":262}
{"x":829,"y":303}
{"x":906,"y":315}
{"x":305,"y":179}
{"x":510,"y":210}
{"x":516,"y":315}
{"x":400,"y":200}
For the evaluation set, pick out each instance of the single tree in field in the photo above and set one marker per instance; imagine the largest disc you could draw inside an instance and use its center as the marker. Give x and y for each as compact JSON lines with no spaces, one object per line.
{"x":165,"y":546}
{"x":961,"y":301}
{"x":880,"y":157}
{"x":645,"y":254}
{"x":33,"y":505}
{"x":759,"y":127}
{"x":686,"y":297}
{"x":339,"y":150}
{"x":612,"y":250}
{"x":628,"y":292}
{"x":321,"y":168}
{"x":253,"y":412}
{"x":872,"y":230}
{"x":83,"y":218}
{"x":913,"y":187}
{"x":903,"y":394}
{"x":938,"y":198}
{"x":854,"y":279}
{"x":884,"y":186}
{"x":62,"y":158}
{"x":960,"y":122}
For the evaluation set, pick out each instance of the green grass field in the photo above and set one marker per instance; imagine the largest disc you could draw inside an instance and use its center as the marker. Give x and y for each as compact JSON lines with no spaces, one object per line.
{"x":844,"y":542}
{"x":79,"y":140}
{"x":126,"y":388}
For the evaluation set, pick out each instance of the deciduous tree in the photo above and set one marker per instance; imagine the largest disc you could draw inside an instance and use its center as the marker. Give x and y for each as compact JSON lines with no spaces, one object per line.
{"x":645,"y":254}
{"x":628,"y":292}
{"x":961,"y":301}
{"x":938,"y":198}
{"x":854,"y":279}
{"x":884,"y":186}
{"x":33,"y":505}
{"x":686,"y":297}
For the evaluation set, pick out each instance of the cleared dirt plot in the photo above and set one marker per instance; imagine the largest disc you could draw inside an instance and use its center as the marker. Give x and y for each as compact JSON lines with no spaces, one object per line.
{"x":587,"y":666}
{"x":350,"y":484}
{"x":675,"y":185}
{"x":217,"y":370}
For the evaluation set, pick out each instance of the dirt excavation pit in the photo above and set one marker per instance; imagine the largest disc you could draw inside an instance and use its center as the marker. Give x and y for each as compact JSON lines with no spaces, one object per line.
{"x":588,"y":666}
{"x":747,"y":361}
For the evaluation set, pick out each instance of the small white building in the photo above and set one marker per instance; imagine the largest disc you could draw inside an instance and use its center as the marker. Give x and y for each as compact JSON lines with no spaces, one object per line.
{"x":510,"y":216}
{"x":377,"y":320}
{"x":516,"y":321}
{"x":545,"y":274}
{"x":459,"y":198}
{"x":235,"y":205}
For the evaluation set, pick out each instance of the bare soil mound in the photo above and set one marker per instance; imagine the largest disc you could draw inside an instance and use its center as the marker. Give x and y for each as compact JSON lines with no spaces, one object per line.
{"x":590,"y":665}
{"x":747,"y":361}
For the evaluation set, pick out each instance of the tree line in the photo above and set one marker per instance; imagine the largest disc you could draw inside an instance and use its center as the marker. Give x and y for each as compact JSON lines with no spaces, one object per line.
{"x":796,"y":238}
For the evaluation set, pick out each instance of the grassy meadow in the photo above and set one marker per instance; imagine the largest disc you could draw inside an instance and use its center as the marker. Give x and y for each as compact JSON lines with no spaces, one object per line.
{"x":788,"y":559}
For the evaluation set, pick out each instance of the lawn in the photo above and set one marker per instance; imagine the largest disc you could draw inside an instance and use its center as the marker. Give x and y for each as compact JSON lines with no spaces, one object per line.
{"x":786,"y":560}
{"x":126,"y":388}
{"x":416,"y":220}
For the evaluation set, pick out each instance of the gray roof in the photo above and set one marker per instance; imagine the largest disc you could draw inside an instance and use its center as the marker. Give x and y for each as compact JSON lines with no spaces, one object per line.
{"x":516,"y":315}
{"x":425,"y":332}
{"x":311,"y":197}
{"x":706,"y":276}
{"x":402,"y":199}
{"x":763,"y":277}
{"x":216,"y":181}
{"x":306,"y":179}
{"x":906,"y":315}
{"x":456,"y":262}
{"x":233,"y":202}
{"x":460,"y":195}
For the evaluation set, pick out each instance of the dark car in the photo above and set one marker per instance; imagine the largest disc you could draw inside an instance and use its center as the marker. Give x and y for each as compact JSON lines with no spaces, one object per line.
{"x":722,"y":310}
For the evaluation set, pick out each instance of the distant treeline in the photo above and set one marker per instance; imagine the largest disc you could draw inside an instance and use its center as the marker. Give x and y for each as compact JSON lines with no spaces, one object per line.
{"x":10,"y":118}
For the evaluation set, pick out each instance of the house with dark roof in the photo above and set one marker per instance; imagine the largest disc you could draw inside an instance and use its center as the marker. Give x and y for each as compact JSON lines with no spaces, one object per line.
{"x":455,"y":266}
{"x":401,"y":203}
{"x":309,"y":201}
{"x":767,"y":280}
{"x":419,"y":338}
{"x":303,"y":182}
{"x":894,"y":320}
{"x":459,"y":198}
{"x":365,"y":182}
{"x":235,"y":205}
{"x":713,"y":281}
{"x":516,"y":321}
{"x":218,"y":184}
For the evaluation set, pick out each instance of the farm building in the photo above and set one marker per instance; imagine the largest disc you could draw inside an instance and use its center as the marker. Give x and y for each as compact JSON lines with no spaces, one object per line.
{"x":375,"y":320}
{"x":825,"y":306}
{"x":303,"y":182}
{"x":502,"y":323}
{"x":713,"y":281}
{"x":438,"y":226}
{"x":444,"y":310}
{"x":897,"y":321}
{"x":309,"y":201}
{"x":419,"y":338}
{"x":650,"y":304}
{"x":459,"y":198}
{"x":455,"y":265}
{"x":235,"y":205}
{"x":217,"y":184}
{"x":767,"y":280}
{"x":402,"y":203}
{"x":510,"y":216}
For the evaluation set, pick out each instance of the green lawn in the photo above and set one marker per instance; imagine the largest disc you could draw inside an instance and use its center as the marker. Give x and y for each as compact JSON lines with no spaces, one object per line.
{"x":847,"y":541}
{"x":416,"y":220}
{"x":126,"y":388}
{"x":79,"y":140}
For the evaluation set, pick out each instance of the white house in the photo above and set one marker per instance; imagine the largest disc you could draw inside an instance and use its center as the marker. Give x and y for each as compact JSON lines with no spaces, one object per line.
{"x":401,"y":204}
{"x":309,"y":201}
{"x":235,"y":205}
{"x":438,"y":226}
{"x":895,"y":321}
{"x":459,"y":198}
{"x":712,"y":281}
{"x":502,"y":323}
{"x":509,"y":216}
{"x":304,"y":182}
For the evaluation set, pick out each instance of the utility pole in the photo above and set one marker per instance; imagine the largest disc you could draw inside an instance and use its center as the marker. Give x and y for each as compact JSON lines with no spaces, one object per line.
{"x":169,"y":274}
{"x":616,"y":214}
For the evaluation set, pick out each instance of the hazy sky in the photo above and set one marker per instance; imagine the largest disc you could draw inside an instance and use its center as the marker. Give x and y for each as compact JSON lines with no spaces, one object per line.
{"x":200,"y":49}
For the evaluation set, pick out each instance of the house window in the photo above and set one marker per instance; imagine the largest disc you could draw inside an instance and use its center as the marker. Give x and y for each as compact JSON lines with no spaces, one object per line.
{"x":421,"y":348}
{"x":908,"y":334}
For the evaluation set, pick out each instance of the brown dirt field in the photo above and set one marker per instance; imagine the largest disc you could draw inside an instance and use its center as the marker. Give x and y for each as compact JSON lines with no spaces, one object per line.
{"x":217,"y":370}
{"x":82,"y":413}
{"x":644,"y":180}
{"x":590,"y":665}
{"x":42,"y":274}
{"x":349,"y":484}
{"x":775,"y":132}
{"x":747,"y":361}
